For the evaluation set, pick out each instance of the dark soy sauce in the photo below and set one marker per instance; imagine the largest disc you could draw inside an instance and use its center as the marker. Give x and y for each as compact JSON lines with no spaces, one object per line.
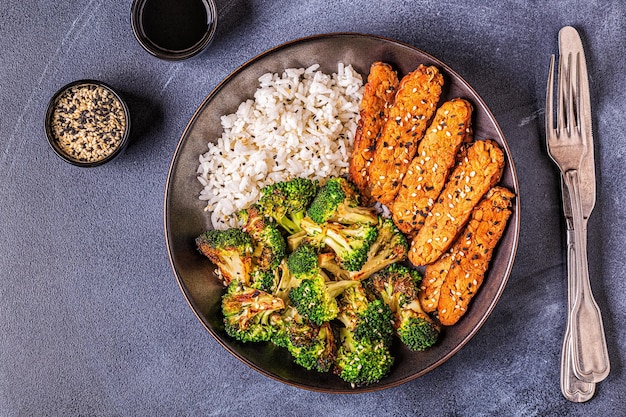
{"x":175,"y":25}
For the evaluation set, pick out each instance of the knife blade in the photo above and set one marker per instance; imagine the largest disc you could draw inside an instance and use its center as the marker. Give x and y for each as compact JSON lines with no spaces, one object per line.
{"x":588,"y":342}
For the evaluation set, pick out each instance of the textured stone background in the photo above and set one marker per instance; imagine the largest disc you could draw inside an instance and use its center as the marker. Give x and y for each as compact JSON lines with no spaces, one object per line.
{"x":92,"y":321}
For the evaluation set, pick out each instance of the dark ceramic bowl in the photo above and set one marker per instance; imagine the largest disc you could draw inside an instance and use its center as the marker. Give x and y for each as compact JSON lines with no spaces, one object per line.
{"x":185,"y":217}
{"x":93,"y":128}
{"x":174,"y":30}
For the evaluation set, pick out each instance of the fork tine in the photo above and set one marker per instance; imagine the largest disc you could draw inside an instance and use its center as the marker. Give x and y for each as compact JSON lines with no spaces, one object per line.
{"x":571,"y":108}
{"x":562,"y":95}
{"x":576,"y":93}
{"x":550,"y":99}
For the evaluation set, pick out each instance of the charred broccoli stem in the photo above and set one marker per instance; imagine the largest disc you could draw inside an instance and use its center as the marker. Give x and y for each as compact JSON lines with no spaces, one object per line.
{"x":398,"y":287}
{"x":250,"y":315}
{"x":230,"y":250}
{"x":338,"y":201}
{"x":269,"y":244}
{"x":287,"y":201}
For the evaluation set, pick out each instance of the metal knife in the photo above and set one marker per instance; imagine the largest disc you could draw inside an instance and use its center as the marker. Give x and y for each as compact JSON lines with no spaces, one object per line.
{"x":588,"y":342}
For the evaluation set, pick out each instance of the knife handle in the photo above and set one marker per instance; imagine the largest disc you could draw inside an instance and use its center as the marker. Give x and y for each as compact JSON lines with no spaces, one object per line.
{"x":589,"y":350}
{"x":572,"y":388}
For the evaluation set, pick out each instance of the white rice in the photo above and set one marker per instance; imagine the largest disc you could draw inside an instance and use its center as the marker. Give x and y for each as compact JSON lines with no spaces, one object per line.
{"x":301,"y":123}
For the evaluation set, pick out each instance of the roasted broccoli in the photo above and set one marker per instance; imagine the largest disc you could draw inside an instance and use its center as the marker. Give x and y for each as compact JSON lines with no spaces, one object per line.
{"x":287,"y":202}
{"x":389,"y":247}
{"x":269,"y":248}
{"x":315,"y":296}
{"x":350,"y":243}
{"x":250,"y":315}
{"x":311,"y":346}
{"x":230,"y":250}
{"x":367,"y":317}
{"x":269,"y":245}
{"x":398,"y":287}
{"x":361,"y":361}
{"x":338,"y":201}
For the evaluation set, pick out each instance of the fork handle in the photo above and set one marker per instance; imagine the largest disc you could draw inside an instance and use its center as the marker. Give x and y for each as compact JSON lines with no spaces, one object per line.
{"x":589,"y":350}
{"x":572,"y":388}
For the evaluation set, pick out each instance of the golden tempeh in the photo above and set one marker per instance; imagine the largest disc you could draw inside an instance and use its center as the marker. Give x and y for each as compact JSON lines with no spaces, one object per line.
{"x":478,"y":171}
{"x":436,"y":155}
{"x":378,"y":94}
{"x":434,"y":276}
{"x":471,"y":254}
{"x":414,"y":104}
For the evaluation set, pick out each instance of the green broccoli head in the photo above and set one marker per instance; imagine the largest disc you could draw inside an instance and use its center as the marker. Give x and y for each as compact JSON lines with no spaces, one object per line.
{"x":303,"y":262}
{"x":362,"y":361}
{"x":417,"y":330}
{"x":230,"y":250}
{"x":398,"y":287}
{"x":350,"y":243}
{"x":367,"y":317}
{"x":264,"y":279}
{"x":311,"y":346}
{"x":287,"y":201}
{"x":316,"y":298}
{"x":389,"y":248}
{"x":338,"y":201}
{"x":250,"y":315}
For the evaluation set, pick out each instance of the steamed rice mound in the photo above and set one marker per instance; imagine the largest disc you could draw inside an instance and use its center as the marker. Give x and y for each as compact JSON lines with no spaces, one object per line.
{"x":301,"y":123}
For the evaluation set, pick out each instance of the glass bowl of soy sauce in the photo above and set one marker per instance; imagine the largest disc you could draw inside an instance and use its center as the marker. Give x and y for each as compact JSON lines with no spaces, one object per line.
{"x":174,"y":30}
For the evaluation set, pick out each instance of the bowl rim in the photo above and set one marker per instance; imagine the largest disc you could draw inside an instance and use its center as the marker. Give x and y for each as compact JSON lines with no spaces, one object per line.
{"x":514,"y":224}
{"x":51,"y":137}
{"x":136,"y":12}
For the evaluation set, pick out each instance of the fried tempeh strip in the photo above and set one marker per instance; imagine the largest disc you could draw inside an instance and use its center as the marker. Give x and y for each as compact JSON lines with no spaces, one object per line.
{"x":413,"y":107}
{"x":478,"y":171}
{"x":472,"y":253}
{"x":436,"y":155}
{"x":378,"y":94}
{"x":434,"y":276}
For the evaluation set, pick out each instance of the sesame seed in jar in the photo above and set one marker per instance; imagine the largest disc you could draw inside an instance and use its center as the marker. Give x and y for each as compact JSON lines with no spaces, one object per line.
{"x":87,"y":122}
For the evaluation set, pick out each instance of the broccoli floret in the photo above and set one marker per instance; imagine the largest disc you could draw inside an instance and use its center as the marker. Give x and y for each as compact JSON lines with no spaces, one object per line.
{"x":338,"y":201}
{"x":230,"y":250}
{"x":269,"y":244}
{"x":287,"y":201}
{"x":312,"y":346}
{"x":265,"y":280}
{"x":398,"y":287}
{"x":286,"y":281}
{"x":303,"y":262}
{"x":416,"y":329}
{"x":351,"y":243}
{"x":361,"y":361}
{"x":250,"y":315}
{"x":315,"y":296}
{"x":389,"y":247}
{"x":368,"y":318}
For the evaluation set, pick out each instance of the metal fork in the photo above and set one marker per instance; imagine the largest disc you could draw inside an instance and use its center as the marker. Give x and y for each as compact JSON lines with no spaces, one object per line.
{"x":567,"y":147}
